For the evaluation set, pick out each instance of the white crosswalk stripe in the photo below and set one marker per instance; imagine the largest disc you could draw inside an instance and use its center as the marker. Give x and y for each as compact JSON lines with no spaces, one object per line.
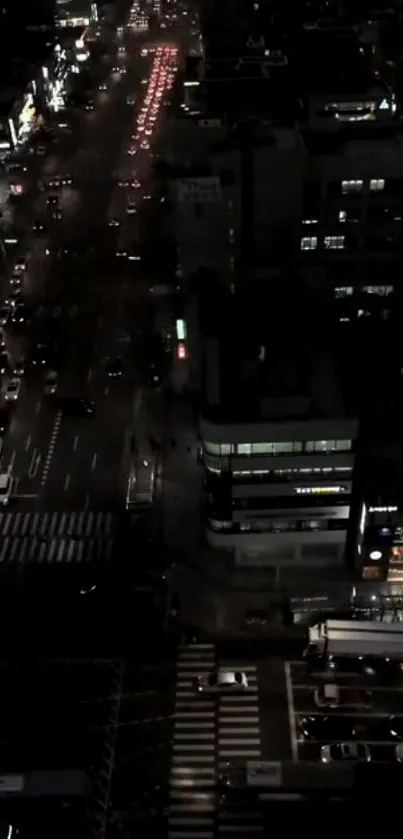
{"x":193,"y":770}
{"x":239,"y":740}
{"x":56,"y":537}
{"x":209,"y":733}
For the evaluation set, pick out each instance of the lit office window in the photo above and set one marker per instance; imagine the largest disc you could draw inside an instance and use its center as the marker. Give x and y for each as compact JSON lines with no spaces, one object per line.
{"x":328,"y":446}
{"x":343,"y":291}
{"x":354,"y":186}
{"x":334,"y":243}
{"x":376,"y":185}
{"x":380,"y":290}
{"x":309,"y":243}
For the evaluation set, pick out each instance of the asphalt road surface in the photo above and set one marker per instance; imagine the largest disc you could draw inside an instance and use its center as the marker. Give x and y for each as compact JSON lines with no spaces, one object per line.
{"x":85,"y":300}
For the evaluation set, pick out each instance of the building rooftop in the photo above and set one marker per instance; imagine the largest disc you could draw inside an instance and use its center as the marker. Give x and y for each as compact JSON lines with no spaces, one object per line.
{"x":271,"y":359}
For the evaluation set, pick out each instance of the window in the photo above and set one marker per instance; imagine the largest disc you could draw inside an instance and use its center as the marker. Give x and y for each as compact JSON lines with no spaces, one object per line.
{"x":343,"y":291}
{"x":269,"y":448}
{"x":352,"y":187}
{"x":380,"y":290}
{"x":218,"y":449}
{"x":328,"y":446}
{"x":244,"y":448}
{"x":348,"y":216}
{"x":376,"y":185}
{"x":335,"y":243}
{"x":309,"y":243}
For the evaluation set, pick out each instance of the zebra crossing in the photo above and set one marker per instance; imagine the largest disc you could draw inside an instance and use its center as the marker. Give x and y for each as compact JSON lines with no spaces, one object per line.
{"x":210,"y":732}
{"x":27,"y":537}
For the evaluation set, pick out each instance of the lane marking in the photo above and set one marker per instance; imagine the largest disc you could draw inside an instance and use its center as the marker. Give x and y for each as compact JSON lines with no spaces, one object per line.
{"x":75,"y":444}
{"x":67,"y":482}
{"x":52,"y":444}
{"x":291,"y":712}
{"x":38,"y":406}
{"x":35,"y":462}
{"x":28,"y":443}
{"x":87,"y":501}
{"x":94,"y":462}
{"x":12,"y":461}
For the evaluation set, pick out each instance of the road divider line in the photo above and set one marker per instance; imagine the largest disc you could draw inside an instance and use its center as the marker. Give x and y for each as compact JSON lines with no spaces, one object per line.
{"x":34,"y":464}
{"x":75,"y":444}
{"x":12,"y":461}
{"x":66,"y":482}
{"x":52,"y":444}
{"x":28,"y":443}
{"x":94,"y":462}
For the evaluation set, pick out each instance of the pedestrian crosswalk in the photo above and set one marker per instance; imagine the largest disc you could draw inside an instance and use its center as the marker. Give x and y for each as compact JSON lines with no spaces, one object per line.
{"x":210,"y":732}
{"x":27,"y":537}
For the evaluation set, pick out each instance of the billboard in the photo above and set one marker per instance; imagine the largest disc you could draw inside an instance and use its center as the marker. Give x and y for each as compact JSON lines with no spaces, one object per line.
{"x":199,"y":190}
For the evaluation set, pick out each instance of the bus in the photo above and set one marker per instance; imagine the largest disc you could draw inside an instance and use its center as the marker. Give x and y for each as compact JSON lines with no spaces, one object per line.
{"x":331,"y":640}
{"x":141,"y":484}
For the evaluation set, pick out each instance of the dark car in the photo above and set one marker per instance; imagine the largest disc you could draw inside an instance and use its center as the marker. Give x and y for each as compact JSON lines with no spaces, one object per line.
{"x":53,"y":200}
{"x":73,"y":406}
{"x":67,"y":180}
{"x":4,"y":363}
{"x":114,"y":367}
{"x":39,"y":228}
{"x":41,"y":355}
{"x":54,"y":183}
{"x":4,"y":421}
{"x":326,"y":728}
{"x":19,"y":313}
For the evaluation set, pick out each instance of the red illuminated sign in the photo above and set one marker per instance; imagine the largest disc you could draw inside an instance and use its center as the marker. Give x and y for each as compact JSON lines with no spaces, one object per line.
{"x":182,"y":355}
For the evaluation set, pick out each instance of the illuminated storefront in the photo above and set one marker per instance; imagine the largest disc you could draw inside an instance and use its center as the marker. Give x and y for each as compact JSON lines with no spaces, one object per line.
{"x":380,"y":542}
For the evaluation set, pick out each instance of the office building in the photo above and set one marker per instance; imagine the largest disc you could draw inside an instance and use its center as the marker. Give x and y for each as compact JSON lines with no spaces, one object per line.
{"x":279,"y":431}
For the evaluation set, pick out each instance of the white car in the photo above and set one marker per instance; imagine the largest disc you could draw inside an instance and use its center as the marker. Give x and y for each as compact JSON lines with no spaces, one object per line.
{"x":221,"y":681}
{"x":12,"y":390}
{"x":6,"y":485}
{"x":51,"y":383}
{"x":353,"y":751}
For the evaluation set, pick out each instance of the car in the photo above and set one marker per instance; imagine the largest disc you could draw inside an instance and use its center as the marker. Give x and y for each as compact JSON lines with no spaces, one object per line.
{"x":330,"y":696}
{"x":13,"y":299}
{"x":57,"y":215}
{"x":103,"y":86}
{"x":73,"y":406}
{"x":2,"y":340}
{"x":326,"y":727}
{"x":89,"y":106}
{"x":19,"y":313}
{"x":67,"y":180}
{"x":4,"y":363}
{"x":53,"y":200}
{"x":114,"y":367}
{"x":6,"y":485}
{"x":131,"y":208}
{"x":124,"y":182}
{"x":113,"y":222}
{"x":41,"y":149}
{"x":39,"y":228}
{"x":132,"y":151}
{"x":54,"y":183}
{"x":20,"y":264}
{"x":4,"y":315}
{"x":131,"y":100}
{"x":51,"y":382}
{"x":222,"y":680}
{"x":41,"y":355}
{"x":4,"y":421}
{"x":357,"y":752}
{"x":19,"y":367}
{"x":12,"y":390}
{"x":15,"y":279}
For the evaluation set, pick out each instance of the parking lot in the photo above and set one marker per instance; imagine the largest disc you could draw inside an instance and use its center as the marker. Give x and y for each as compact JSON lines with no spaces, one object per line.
{"x":366,"y":711}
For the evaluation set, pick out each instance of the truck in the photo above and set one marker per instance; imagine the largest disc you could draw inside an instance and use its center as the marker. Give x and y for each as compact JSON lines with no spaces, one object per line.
{"x":341,"y":639}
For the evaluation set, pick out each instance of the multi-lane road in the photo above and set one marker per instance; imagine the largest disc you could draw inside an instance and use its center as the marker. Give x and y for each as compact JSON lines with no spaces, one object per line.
{"x":78,"y":463}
